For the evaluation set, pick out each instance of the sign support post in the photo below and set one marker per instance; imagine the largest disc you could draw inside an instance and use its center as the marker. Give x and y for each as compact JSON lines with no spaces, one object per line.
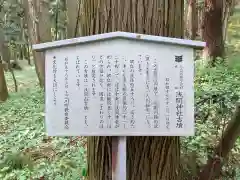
{"x":119,"y":158}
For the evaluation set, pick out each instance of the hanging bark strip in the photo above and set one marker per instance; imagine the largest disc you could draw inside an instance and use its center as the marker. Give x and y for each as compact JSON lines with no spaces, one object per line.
{"x":148,"y":158}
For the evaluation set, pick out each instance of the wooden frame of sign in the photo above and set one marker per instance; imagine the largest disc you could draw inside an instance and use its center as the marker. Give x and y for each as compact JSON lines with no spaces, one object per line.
{"x":119,"y":84}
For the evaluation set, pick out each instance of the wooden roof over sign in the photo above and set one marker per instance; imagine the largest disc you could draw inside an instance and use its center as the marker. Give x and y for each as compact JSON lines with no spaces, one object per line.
{"x":121,"y":35}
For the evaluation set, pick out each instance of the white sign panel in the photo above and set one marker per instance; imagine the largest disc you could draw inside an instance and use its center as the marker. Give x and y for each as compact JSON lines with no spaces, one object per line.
{"x":120,"y":87}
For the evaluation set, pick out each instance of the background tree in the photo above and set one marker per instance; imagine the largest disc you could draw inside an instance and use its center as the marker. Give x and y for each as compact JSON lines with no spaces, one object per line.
{"x":192,"y":19}
{"x":37,"y":15}
{"x":212,"y":30}
{"x":3,"y":85}
{"x":73,"y":12}
{"x":148,"y":158}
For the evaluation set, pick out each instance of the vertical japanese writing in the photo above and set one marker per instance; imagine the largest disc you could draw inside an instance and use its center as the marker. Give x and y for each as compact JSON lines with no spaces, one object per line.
{"x":132,"y":101}
{"x":101,"y":92}
{"x":155,"y":90}
{"x":78,"y":72}
{"x":86,"y":93}
{"x":93,"y":76}
{"x":140,"y":64}
{"x":66,"y":96}
{"x":147,"y":93}
{"x":117,"y":91}
{"x":179,"y":107}
{"x":101,"y":111}
{"x":124,"y":90}
{"x":54,"y":70}
{"x":181,"y":77}
{"x":167,"y":111}
{"x":101,"y":71}
{"x":109,"y":90}
{"x":179,"y":93}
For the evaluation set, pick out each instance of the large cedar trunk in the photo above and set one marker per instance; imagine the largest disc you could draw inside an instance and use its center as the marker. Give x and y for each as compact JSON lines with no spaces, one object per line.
{"x":148,"y":158}
{"x":212,"y":30}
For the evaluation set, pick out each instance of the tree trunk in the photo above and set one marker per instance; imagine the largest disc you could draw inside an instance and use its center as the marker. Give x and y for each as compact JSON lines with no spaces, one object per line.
{"x":148,"y":158}
{"x":3,"y":84}
{"x":192,"y":19}
{"x":43,"y":28}
{"x":37,"y":56}
{"x":212,"y":30}
{"x":44,"y":21}
{"x":6,"y":55}
{"x":228,"y":6}
{"x":73,"y":10}
{"x":200,"y":21}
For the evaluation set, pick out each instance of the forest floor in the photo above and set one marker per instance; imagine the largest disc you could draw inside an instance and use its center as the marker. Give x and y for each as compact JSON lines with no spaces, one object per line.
{"x":25,"y":150}
{"x":27,"y":153}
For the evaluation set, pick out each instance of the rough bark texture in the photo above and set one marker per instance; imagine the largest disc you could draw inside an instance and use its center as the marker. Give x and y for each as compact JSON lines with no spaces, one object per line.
{"x":192,"y":19}
{"x":44,"y":21}
{"x":212,"y":30}
{"x":148,"y":158}
{"x":43,"y":29}
{"x":37,"y":56}
{"x":213,"y":167}
{"x":73,"y":7}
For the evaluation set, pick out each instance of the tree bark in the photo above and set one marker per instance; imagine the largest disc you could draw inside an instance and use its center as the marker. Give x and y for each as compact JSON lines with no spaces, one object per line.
{"x":3,"y":84}
{"x":37,"y":56}
{"x":200,"y":20}
{"x":73,"y":11}
{"x":192,"y":19}
{"x":228,"y":6}
{"x":214,"y":164}
{"x":43,"y":29}
{"x":148,"y":158}
{"x":212,"y":30}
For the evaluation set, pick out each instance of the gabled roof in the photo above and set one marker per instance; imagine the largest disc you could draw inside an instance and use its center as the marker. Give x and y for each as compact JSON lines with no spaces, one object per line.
{"x":122,"y":35}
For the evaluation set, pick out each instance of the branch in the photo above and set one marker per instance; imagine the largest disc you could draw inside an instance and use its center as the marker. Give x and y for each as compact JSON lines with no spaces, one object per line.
{"x":214,"y":164}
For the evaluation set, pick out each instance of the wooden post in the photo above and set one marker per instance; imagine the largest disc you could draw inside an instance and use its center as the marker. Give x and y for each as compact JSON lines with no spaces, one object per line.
{"x":119,"y":158}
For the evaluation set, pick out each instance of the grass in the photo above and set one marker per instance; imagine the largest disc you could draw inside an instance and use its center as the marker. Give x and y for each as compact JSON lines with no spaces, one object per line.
{"x":25,"y":150}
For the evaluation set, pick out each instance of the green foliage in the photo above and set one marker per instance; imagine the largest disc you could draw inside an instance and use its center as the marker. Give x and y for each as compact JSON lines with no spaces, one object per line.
{"x":12,"y":19}
{"x":25,"y":150}
{"x":217,"y":89}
